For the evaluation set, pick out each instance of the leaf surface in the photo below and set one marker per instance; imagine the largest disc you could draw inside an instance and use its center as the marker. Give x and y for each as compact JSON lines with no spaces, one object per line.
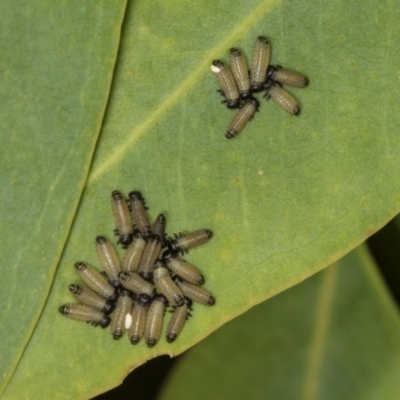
{"x":56,"y":69}
{"x":285,"y":199}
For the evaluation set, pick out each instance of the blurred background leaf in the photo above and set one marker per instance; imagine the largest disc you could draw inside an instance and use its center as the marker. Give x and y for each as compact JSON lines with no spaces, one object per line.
{"x":336,"y":335}
{"x":286,"y":198}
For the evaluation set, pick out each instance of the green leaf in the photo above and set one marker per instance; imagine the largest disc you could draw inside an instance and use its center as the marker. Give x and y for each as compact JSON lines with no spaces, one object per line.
{"x":56,"y":66}
{"x":336,"y":335}
{"x":284,"y":199}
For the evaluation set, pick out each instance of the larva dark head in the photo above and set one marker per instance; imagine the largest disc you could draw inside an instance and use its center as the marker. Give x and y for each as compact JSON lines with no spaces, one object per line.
{"x":135,"y":195}
{"x":231,"y":134}
{"x":155,"y":238}
{"x":64,"y":309}
{"x":101,"y":240}
{"x":105,"y":321}
{"x":173,"y":246}
{"x":116,"y":195}
{"x":232,"y":104}
{"x":108,"y":308}
{"x":135,"y":339}
{"x":125,"y":240}
{"x":257,"y":87}
{"x":207,"y":231}
{"x":116,"y":284}
{"x":188,"y":303}
{"x":271,"y":70}
{"x":159,"y":264}
{"x":144,"y":299}
{"x":306,"y":81}
{"x":151,"y":342}
{"x":117,"y":334}
{"x":211,"y":301}
{"x":171,"y":336}
{"x":256,"y":104}
{"x":123,"y":275}
{"x":296,"y":111}
{"x":137,"y":234}
{"x":80,"y":266}
{"x":179,"y":300}
{"x":216,"y":66}
{"x":263,"y":39}
{"x":125,"y":292}
{"x":235,"y":52}
{"x":268,"y":83}
{"x":75,"y":289}
{"x":162,"y":298}
{"x":161,"y":218}
{"x":147,"y":276}
{"x":177,"y":279}
{"x":168,"y":255}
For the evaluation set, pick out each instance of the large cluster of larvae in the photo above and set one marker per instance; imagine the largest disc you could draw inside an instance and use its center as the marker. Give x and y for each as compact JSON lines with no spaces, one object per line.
{"x":132,"y":295}
{"x":239,"y":84}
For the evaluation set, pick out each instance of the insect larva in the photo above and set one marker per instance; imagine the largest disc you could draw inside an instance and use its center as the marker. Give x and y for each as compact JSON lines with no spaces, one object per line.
{"x":195,"y":293}
{"x":154,"y":320}
{"x":282,"y":98}
{"x":286,"y":77}
{"x":227,"y":83}
{"x":123,"y":307}
{"x":90,"y":298}
{"x":240,"y":73}
{"x":259,"y":63}
{"x":136,"y":329}
{"x":85,"y":313}
{"x":178,"y":319}
{"x":122,"y":218}
{"x":165,"y":285}
{"x":242,"y":117}
{"x":133,"y":253}
{"x":159,"y":227}
{"x":139,"y":213}
{"x":108,"y":259}
{"x":182,"y":268}
{"x":183,"y":242}
{"x":150,"y":254}
{"x":135,"y":283}
{"x":95,"y":280}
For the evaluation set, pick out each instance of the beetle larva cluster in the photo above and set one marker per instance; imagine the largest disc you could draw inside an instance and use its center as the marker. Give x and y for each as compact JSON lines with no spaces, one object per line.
{"x":238,"y":84}
{"x":133,"y":294}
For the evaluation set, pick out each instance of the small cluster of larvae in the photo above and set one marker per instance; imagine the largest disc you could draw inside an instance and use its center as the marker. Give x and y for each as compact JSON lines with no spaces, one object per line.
{"x":238,"y":84}
{"x":133,"y":295}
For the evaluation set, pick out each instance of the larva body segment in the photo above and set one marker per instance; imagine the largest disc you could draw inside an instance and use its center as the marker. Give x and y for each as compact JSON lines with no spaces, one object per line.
{"x":259,"y":63}
{"x":95,"y":280}
{"x":165,"y":285}
{"x":82,"y":312}
{"x":195,"y":293}
{"x":183,"y":242}
{"x":122,"y":218}
{"x":227,"y":83}
{"x":242,"y":117}
{"x":91,"y":299}
{"x":154,"y":320}
{"x":183,"y":269}
{"x":240,"y":73}
{"x":123,"y":307}
{"x":108,"y":259}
